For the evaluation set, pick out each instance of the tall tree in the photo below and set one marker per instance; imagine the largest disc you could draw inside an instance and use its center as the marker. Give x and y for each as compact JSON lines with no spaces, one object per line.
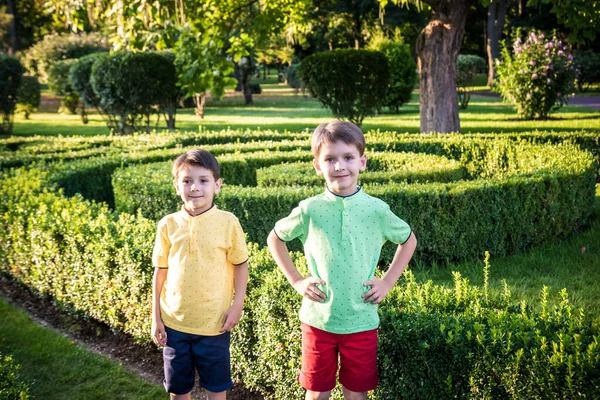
{"x":438,"y":46}
{"x":495,"y":25}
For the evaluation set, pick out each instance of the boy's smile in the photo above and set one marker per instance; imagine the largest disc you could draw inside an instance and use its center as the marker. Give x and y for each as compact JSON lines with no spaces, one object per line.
{"x":340,"y":164}
{"x":197,"y":188}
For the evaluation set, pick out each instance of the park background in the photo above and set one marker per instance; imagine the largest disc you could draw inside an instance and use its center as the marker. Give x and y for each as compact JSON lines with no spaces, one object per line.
{"x":85,"y":175}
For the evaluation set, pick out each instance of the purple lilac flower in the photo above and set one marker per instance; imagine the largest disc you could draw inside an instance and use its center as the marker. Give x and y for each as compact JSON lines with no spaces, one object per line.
{"x":570,"y":57}
{"x":528,"y":95}
{"x":521,"y":71}
{"x":532,"y":62}
{"x":561,"y":53}
{"x":534,"y":76}
{"x":549,"y":80}
{"x":542,"y":36}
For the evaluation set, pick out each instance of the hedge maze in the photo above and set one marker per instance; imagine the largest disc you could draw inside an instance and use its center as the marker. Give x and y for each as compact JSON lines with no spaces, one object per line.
{"x":78,"y":219}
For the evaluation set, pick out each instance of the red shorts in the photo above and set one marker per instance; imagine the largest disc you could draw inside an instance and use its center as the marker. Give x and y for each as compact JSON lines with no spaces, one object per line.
{"x":358,"y":360}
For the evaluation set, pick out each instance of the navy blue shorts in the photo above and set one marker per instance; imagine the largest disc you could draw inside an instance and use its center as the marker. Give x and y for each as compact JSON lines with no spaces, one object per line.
{"x":185,"y":353}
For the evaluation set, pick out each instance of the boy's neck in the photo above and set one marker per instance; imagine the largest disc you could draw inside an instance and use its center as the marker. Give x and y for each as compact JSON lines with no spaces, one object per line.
{"x":195,"y":213}
{"x":358,"y":188}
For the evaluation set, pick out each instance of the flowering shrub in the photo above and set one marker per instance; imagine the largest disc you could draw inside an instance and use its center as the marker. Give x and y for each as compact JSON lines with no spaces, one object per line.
{"x":537,"y":77}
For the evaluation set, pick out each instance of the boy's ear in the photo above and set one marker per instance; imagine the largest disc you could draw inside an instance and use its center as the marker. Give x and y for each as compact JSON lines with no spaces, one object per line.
{"x":317,"y":167}
{"x":218,"y":184}
{"x":363,"y":162}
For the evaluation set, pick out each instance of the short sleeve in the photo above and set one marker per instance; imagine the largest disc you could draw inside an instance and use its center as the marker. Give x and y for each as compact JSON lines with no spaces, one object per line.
{"x":395,"y":229}
{"x":238,"y":251}
{"x":162,"y":245}
{"x":290,"y":227}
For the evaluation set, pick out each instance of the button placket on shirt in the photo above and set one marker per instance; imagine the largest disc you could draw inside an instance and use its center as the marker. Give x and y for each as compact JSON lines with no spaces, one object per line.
{"x":345,"y":220}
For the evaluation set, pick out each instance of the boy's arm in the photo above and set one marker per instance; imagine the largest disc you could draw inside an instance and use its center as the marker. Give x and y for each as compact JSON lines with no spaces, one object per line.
{"x":159,"y":335}
{"x":381,"y":287}
{"x":233,"y":315}
{"x":306,"y":286}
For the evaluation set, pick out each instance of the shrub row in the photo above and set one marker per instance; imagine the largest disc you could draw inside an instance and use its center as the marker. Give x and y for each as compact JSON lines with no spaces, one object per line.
{"x":529,"y":193}
{"x":382,"y":168}
{"x":463,"y":342}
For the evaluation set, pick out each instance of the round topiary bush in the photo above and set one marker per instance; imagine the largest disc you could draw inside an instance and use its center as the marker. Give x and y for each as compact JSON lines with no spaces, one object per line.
{"x":11,"y":73}
{"x":351,"y":83}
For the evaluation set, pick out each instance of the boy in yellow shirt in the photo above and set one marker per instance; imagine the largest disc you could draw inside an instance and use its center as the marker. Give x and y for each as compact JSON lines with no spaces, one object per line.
{"x":200,"y":259}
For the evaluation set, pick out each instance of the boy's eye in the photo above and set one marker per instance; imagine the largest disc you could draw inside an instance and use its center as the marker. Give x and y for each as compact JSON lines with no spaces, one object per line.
{"x":203,"y":180}
{"x":329,"y":159}
{"x":349,"y":158}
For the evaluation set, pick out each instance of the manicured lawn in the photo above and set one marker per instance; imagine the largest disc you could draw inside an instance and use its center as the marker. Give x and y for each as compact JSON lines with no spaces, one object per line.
{"x":56,"y":368}
{"x":278,"y":108}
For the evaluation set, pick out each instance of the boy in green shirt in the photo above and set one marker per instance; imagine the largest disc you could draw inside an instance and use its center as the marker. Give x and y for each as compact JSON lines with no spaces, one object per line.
{"x":342,"y":230}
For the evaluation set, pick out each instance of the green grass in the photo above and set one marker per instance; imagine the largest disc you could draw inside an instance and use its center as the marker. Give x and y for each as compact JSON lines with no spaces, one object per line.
{"x":55,"y":368}
{"x":558,"y":265}
{"x":279,"y":108}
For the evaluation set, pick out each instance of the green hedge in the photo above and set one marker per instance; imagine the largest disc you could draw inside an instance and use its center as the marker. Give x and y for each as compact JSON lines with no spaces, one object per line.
{"x":460,"y":342}
{"x":524,"y":194}
{"x":382,"y":168}
{"x":434,"y":341}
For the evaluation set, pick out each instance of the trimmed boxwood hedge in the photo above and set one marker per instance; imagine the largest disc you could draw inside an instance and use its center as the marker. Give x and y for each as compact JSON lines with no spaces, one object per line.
{"x":434,"y":341}
{"x":524,"y":194}
{"x":382,"y":168}
{"x":446,"y":343}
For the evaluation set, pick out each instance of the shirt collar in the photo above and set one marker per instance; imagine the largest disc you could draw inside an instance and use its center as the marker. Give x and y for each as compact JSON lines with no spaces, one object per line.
{"x":186,"y":216}
{"x":332,"y":196}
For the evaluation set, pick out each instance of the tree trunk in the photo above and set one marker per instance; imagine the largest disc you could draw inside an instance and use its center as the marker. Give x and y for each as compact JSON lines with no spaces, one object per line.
{"x":246,"y":72}
{"x":495,"y":26}
{"x":14,"y":38}
{"x":199,"y":101}
{"x":438,"y":46}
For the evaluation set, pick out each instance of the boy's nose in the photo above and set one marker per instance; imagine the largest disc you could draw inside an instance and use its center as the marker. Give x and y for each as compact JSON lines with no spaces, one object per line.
{"x":338,"y":166}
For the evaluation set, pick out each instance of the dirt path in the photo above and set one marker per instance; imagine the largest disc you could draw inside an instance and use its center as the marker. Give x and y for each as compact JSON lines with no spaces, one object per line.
{"x":143,"y":360}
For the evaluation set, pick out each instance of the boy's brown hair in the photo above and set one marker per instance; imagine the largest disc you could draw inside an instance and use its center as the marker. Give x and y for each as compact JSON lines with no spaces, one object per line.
{"x":335,"y":131}
{"x":197,"y":158}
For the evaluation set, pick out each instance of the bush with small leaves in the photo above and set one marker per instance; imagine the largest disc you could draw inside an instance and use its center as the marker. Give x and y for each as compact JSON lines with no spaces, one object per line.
{"x":11,"y":73}
{"x":39,"y":58}
{"x":466,"y":67}
{"x":537,"y":77}
{"x":351,"y":83}
{"x":29,"y":96}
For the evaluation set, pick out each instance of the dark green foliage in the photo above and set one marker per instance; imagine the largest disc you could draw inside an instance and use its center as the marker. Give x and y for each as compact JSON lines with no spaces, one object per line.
{"x":131,"y":87}
{"x":12,"y":387}
{"x":587,"y":64}
{"x":80,"y":74}
{"x":464,"y":342}
{"x":11,"y":73}
{"x":29,"y":95}
{"x":60,"y":85}
{"x":39,"y":58}
{"x":351,"y":83}
{"x":466,"y":67}
{"x":403,"y":72}
{"x":435,"y":342}
{"x":255,"y":87}
{"x":513,"y":200}
{"x":293,"y":80}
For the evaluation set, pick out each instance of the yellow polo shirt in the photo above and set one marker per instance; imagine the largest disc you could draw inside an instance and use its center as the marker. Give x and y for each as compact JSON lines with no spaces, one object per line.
{"x":201,"y":253}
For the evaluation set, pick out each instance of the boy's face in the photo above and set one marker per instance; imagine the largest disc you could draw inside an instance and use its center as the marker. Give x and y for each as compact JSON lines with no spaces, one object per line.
{"x":197,"y":188}
{"x":340,"y":164}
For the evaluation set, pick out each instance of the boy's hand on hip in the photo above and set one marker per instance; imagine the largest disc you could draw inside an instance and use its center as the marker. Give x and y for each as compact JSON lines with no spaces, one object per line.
{"x":232,"y":317}
{"x":379,"y":289}
{"x":307,"y":287}
{"x":159,"y":334}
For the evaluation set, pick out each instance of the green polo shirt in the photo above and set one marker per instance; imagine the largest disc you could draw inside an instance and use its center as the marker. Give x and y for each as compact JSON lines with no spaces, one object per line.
{"x":342,"y":238}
